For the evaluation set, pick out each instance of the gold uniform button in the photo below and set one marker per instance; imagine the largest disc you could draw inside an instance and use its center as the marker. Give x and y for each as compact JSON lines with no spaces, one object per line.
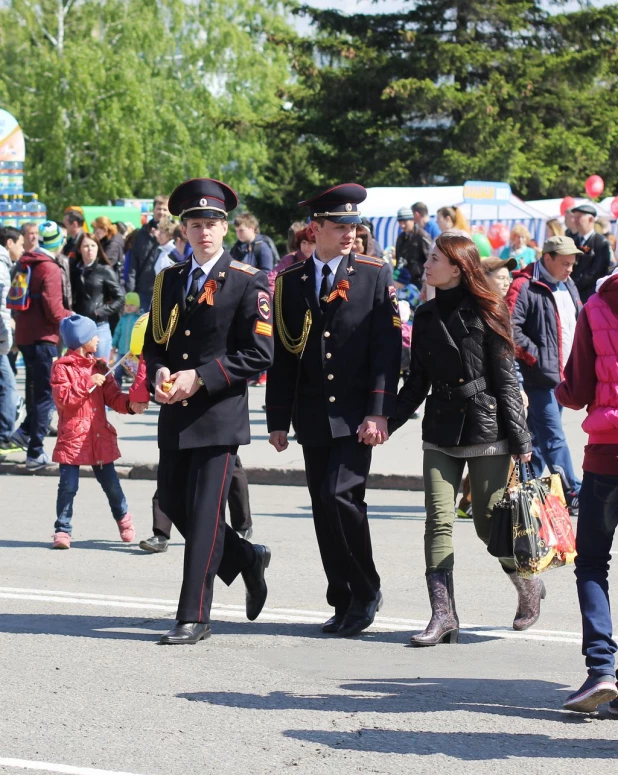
{"x":329,"y":355}
{"x":460,"y":381}
{"x":331,"y":376}
{"x":185,"y":356}
{"x":326,"y":334}
{"x":492,"y":406}
{"x":332,"y":399}
{"x":187,"y":333}
{"x":185,"y":402}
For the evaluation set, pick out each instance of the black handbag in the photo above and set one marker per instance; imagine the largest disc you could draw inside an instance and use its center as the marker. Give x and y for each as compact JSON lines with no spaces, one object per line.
{"x":505,"y":513}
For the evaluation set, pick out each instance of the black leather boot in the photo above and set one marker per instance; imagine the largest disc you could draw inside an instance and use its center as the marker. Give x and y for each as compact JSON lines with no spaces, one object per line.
{"x":530,"y":592}
{"x":443,"y":626}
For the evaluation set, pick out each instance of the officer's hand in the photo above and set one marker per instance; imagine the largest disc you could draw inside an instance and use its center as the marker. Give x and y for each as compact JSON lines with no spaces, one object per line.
{"x":374,"y":430}
{"x":185,"y":385}
{"x":163,"y":376}
{"x":279,"y":440}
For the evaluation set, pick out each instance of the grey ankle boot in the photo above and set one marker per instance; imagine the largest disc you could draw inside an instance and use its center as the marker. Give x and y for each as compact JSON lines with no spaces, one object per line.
{"x":530,"y":592}
{"x":444,"y":624}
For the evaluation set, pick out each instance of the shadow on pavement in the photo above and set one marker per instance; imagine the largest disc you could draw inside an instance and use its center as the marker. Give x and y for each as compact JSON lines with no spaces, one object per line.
{"x":527,"y":699}
{"x":101,"y":545}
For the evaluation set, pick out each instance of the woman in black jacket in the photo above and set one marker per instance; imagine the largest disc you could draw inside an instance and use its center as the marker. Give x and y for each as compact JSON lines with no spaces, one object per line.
{"x":96,"y":291}
{"x":463,"y":350}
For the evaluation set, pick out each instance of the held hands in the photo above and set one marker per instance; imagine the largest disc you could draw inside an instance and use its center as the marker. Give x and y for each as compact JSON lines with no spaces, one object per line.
{"x":279,"y":440}
{"x":138,"y":407}
{"x":523,"y":458}
{"x":373,"y":431}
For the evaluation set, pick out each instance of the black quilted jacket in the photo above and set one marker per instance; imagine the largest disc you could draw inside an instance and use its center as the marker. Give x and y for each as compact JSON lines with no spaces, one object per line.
{"x":451,"y":355}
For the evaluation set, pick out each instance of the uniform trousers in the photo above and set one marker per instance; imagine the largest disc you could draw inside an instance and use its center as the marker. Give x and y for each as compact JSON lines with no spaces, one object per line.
{"x":238,"y":502}
{"x":193,"y":487}
{"x":337,"y":479}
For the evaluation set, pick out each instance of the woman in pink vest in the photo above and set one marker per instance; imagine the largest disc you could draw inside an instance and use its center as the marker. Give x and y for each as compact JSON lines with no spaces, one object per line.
{"x":591,"y":379}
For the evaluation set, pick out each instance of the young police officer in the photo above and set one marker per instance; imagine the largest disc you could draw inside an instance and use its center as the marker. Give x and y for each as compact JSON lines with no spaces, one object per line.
{"x":337,"y":357}
{"x":210,"y":330}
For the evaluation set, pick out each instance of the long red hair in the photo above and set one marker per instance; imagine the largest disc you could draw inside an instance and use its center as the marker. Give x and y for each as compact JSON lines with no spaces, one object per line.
{"x":463,"y":253}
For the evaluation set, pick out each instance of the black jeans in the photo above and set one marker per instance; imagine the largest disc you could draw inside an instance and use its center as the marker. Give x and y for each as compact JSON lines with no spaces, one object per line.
{"x":38,"y":360}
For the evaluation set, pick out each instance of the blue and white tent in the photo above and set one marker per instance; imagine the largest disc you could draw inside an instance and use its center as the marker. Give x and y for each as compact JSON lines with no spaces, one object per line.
{"x":382,"y":204}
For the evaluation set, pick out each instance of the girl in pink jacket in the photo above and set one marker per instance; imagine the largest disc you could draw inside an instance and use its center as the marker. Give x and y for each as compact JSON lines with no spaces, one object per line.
{"x":81,"y":393}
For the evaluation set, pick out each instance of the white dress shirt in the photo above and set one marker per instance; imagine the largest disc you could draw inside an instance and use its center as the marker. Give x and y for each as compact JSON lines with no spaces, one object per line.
{"x":586,"y":237}
{"x":319,"y":265}
{"x":206,"y":269}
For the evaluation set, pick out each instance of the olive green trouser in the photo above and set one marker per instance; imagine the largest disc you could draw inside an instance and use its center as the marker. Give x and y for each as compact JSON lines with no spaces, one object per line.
{"x":442,"y":476}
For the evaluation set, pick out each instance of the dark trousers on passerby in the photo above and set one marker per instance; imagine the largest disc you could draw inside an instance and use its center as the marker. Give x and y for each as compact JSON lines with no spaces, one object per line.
{"x":193,"y":486}
{"x":598,"y":519}
{"x":237,"y":500}
{"x":548,"y":440}
{"x":68,"y":485}
{"x":337,"y":479}
{"x":8,"y":399}
{"x":38,"y":359}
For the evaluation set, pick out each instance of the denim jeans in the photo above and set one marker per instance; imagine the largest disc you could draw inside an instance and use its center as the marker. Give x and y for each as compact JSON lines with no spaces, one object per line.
{"x":68,"y":485}
{"x":549,"y":444}
{"x":8,"y":399}
{"x":104,"y":333}
{"x":598,"y":518}
{"x":38,"y":360}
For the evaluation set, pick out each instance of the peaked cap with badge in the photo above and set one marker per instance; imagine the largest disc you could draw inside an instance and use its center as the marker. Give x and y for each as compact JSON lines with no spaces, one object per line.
{"x":202,"y":198}
{"x":338,"y":204}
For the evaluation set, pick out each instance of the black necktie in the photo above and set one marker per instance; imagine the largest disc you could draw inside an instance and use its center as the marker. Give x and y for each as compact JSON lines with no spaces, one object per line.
{"x":193,"y":288}
{"x":325,"y":287}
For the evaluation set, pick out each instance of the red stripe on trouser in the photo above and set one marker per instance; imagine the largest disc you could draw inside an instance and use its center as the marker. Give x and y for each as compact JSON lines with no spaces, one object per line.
{"x":216,"y":531}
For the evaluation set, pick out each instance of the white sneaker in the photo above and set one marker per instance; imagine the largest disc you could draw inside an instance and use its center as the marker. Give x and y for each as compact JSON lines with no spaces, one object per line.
{"x":36,"y":463}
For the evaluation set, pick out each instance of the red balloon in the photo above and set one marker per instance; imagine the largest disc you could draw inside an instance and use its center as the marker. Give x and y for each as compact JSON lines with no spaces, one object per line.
{"x":498,"y":235}
{"x":595,"y":186}
{"x":614,"y":206}
{"x":566,"y":204}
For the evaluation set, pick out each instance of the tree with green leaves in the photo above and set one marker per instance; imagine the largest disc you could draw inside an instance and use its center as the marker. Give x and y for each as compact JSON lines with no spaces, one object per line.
{"x":126,"y":98}
{"x":448,"y":90}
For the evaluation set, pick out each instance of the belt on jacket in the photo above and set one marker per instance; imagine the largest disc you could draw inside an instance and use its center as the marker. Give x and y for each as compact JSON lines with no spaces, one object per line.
{"x":461,"y":392}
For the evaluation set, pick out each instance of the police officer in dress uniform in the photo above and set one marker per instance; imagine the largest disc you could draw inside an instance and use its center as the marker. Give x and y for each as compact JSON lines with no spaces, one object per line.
{"x":335,"y":375}
{"x":210,"y":330}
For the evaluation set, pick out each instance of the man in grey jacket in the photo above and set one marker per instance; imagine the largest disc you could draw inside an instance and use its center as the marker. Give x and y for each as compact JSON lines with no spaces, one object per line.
{"x":11,"y":248}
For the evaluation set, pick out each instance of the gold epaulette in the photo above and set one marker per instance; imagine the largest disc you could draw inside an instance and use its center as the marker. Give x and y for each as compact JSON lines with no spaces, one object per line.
{"x":161,"y":334}
{"x":293,"y":267}
{"x":370,"y":261}
{"x":294,"y":345}
{"x":240,"y":267}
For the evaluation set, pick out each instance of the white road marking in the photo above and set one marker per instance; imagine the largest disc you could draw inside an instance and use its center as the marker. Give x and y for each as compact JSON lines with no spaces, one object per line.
{"x":24,"y":764}
{"x":291,"y":615}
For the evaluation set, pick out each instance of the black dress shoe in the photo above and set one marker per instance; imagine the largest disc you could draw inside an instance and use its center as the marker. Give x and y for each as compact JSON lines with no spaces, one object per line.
{"x":255,"y":583}
{"x":359,"y":616}
{"x":154,"y":544}
{"x":246,"y":534}
{"x":334,"y":623}
{"x":186,"y":633}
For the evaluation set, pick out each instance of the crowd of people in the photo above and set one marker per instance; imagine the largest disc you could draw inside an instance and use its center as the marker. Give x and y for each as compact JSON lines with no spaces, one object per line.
{"x":495,"y":345}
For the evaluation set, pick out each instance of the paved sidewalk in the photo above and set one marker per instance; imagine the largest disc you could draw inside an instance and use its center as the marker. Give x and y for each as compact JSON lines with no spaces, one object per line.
{"x":396,"y":465}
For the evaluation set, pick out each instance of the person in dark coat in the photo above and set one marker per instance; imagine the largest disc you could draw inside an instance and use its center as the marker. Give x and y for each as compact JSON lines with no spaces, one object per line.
{"x":596,"y":252}
{"x":412,"y":246}
{"x":462,"y":350}
{"x":111,"y":241}
{"x":209,"y":331}
{"x":142,"y":257}
{"x":337,"y":358}
{"x":96,"y":289}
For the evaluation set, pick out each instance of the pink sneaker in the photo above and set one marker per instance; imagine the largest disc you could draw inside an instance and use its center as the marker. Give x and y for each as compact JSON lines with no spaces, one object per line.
{"x":126,"y":529}
{"x":61,"y":541}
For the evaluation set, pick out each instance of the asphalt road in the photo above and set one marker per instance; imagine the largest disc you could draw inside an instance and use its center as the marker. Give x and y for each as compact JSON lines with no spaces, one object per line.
{"x":85,"y":689}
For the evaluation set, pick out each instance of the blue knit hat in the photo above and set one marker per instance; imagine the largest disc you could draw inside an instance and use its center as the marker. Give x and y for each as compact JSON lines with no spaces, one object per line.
{"x":50,"y":235}
{"x":77,"y":330}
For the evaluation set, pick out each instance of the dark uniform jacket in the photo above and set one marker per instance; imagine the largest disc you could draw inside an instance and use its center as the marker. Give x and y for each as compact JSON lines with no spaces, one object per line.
{"x":450,"y":358}
{"x":593,"y":265}
{"x":227,"y":342}
{"x":349,"y":367}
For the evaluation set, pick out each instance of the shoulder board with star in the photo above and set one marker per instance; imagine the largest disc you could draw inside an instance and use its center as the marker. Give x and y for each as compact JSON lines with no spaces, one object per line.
{"x":369,"y":261}
{"x":293,"y":268}
{"x":246,"y":268}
